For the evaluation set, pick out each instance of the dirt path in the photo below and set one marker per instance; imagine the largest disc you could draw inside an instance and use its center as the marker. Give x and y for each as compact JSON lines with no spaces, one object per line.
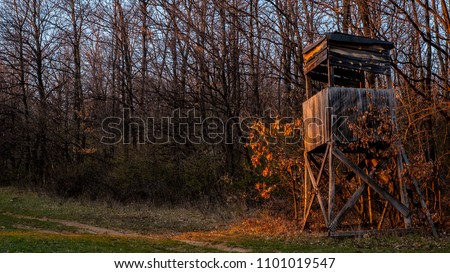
{"x":90,"y":229}
{"x":83,"y":228}
{"x":40,"y":230}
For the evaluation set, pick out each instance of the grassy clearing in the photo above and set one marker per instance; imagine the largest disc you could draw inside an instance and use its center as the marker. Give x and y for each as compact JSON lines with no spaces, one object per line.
{"x":410,"y":243}
{"x":11,"y":223}
{"x":30,"y":222}
{"x":269,"y":234}
{"x":138,"y":218}
{"x":44,"y":243}
{"x":304,"y":244}
{"x":19,"y":233}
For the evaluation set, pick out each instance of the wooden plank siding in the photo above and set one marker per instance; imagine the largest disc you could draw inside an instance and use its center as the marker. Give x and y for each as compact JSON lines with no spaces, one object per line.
{"x":361,"y":64}
{"x":342,"y":77}
{"x":345,"y":53}
{"x":316,"y":50}
{"x":315,"y":120}
{"x":344,"y":105}
{"x":316,"y":60}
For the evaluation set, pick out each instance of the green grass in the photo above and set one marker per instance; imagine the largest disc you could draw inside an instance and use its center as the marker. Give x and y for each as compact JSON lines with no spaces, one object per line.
{"x":12,"y":223}
{"x":21,"y":234}
{"x":55,"y":243}
{"x":137,"y":218}
{"x":375,"y":244}
{"x":26,"y":225}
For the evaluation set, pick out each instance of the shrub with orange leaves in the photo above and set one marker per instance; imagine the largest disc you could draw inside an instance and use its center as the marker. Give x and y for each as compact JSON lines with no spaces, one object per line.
{"x":264,"y":190}
{"x":277,"y":157}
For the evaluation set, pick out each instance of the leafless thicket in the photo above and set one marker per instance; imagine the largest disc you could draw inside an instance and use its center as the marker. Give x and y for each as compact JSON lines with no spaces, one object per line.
{"x":66,"y":65}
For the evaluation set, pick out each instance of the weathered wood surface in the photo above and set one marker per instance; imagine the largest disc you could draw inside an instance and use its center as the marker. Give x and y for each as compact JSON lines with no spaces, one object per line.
{"x":347,"y":207}
{"x":316,"y":50}
{"x":345,"y":105}
{"x":372,"y":183}
{"x":315,"y":120}
{"x":402,"y":189}
{"x":342,"y":77}
{"x":347,"y":51}
{"x":422,"y":199}
{"x":355,"y":196}
{"x":351,"y":40}
{"x":361,"y":64}
{"x":358,"y":60}
{"x":331,"y":183}
{"x":316,"y":190}
{"x":313,"y":193}
{"x":316,"y":61}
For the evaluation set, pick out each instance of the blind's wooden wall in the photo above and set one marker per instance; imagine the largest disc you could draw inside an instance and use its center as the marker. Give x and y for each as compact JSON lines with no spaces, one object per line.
{"x":328,"y":113}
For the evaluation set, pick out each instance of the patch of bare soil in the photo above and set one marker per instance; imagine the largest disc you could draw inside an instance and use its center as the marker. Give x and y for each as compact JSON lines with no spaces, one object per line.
{"x":93,"y":229}
{"x":40,"y":230}
{"x":84,"y":228}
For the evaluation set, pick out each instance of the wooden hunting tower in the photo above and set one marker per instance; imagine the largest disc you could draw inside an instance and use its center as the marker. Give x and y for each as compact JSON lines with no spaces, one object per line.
{"x":347,"y":76}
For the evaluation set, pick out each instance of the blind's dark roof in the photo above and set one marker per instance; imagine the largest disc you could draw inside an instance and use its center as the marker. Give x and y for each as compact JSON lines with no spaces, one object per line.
{"x":337,"y":37}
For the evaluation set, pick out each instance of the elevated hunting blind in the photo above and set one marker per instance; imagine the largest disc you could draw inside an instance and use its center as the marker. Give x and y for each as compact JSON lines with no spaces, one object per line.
{"x":348,"y":78}
{"x":345,"y":65}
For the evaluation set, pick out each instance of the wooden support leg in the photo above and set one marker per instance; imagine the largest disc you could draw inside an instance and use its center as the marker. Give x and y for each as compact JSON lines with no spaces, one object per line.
{"x":306,"y":194}
{"x":350,"y":203}
{"x":322,"y":167}
{"x":403,"y":193}
{"x":372,"y":183}
{"x":309,"y":198}
{"x":294,"y":197}
{"x":422,"y":200}
{"x":331,"y":184}
{"x":383,"y":214}
{"x":307,"y":211}
{"x":316,"y":190}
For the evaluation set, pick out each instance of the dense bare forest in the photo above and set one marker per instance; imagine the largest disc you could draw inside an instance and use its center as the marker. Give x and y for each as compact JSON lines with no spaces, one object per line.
{"x":100,"y":99}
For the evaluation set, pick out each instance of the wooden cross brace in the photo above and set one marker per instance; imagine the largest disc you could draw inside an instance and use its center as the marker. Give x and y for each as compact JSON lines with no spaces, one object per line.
{"x":330,"y":221}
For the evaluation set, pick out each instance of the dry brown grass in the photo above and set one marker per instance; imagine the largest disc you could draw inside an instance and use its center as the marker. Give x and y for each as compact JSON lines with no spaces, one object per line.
{"x":266,"y":225}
